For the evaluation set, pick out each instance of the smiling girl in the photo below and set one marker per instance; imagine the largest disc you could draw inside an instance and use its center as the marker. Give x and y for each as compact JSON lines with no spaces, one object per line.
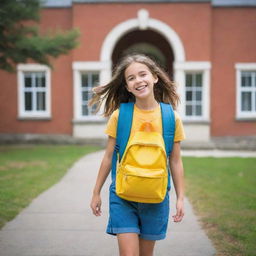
{"x":140,"y":80}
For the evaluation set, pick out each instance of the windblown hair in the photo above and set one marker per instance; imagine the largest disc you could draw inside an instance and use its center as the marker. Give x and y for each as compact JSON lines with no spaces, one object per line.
{"x":114,"y":93}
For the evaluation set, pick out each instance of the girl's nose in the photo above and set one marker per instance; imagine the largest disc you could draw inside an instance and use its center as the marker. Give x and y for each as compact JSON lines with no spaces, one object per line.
{"x":138,"y":79}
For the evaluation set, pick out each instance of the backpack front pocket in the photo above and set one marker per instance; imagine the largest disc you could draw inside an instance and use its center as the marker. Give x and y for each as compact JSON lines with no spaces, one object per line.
{"x":144,"y":185}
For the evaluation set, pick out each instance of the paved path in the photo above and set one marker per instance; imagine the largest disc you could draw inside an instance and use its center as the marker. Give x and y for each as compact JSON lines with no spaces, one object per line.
{"x":59,"y":223}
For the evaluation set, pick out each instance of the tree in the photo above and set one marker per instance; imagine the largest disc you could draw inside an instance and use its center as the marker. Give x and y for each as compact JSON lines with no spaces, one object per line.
{"x":20,"y":39}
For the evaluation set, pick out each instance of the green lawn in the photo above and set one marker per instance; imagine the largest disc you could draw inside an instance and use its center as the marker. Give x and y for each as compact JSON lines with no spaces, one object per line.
{"x":26,"y":171}
{"x":222,"y":190}
{"x":223,"y":194}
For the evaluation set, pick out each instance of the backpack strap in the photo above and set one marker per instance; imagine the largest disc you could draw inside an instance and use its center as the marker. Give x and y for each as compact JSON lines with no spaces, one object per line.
{"x":168,"y":124}
{"x":124,"y":125}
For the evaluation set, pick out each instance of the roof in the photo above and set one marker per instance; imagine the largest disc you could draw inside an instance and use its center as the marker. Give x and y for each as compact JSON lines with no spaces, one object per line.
{"x":56,"y":3}
{"x":215,"y":3}
{"x":231,"y":3}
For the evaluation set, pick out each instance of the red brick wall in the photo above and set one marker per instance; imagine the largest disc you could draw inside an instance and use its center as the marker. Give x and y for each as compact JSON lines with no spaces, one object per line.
{"x":61,"y":88}
{"x":233,"y":40}
{"x":192,"y":22}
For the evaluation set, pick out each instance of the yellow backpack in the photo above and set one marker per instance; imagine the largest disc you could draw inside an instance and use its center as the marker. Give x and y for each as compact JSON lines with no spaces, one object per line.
{"x":139,"y":167}
{"x":142,"y":174}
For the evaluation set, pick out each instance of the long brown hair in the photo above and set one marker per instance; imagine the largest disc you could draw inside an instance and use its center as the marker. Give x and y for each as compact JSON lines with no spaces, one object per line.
{"x":114,"y":93}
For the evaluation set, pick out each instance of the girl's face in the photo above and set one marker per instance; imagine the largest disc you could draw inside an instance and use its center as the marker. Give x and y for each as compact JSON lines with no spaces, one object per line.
{"x":139,"y":80}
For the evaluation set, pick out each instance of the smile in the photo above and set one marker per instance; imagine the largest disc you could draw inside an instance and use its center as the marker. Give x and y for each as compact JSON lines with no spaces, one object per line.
{"x":140,"y":88}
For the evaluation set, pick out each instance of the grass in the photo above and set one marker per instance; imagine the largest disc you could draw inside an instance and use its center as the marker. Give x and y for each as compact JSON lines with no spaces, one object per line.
{"x":222,"y":190}
{"x":223,"y":193}
{"x":26,"y":171}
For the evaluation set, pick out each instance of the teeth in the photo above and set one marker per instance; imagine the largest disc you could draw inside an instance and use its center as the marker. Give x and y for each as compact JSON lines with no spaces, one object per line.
{"x":140,"y":88}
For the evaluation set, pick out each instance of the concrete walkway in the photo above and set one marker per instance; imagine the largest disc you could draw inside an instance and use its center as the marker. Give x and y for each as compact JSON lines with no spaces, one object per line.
{"x":59,"y":223}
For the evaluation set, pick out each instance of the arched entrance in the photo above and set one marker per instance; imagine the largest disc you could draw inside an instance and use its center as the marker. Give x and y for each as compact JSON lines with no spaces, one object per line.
{"x":143,"y":24}
{"x":148,"y":42}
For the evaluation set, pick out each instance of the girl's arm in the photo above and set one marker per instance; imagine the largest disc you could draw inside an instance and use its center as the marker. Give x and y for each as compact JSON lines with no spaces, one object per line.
{"x":103,"y":173}
{"x":178,"y":180}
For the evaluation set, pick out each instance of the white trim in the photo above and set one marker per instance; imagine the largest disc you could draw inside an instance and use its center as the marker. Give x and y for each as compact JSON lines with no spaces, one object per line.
{"x":246,"y":66}
{"x":90,"y":65}
{"x":193,"y":65}
{"x":78,"y":68}
{"x":239,"y":68}
{"x":33,"y":68}
{"x":180,"y":75}
{"x":143,"y":16}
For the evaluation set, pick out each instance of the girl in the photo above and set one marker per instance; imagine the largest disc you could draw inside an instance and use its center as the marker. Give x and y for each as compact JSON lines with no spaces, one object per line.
{"x":138,"y":225}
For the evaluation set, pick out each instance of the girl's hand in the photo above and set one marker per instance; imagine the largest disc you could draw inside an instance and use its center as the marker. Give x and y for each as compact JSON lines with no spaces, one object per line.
{"x":96,"y":205}
{"x":179,"y":211}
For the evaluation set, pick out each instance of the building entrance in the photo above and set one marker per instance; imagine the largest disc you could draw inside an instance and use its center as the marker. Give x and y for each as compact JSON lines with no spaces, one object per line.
{"x":147,"y":42}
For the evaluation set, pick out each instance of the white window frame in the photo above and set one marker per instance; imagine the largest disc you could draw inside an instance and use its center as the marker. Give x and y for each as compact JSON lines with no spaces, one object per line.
{"x":35,"y":114}
{"x":181,"y":69}
{"x":240,"y":67}
{"x":86,"y":67}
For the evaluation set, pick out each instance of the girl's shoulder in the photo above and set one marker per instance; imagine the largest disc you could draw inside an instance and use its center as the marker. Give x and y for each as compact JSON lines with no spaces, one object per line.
{"x":177,"y":115}
{"x":114,"y":115}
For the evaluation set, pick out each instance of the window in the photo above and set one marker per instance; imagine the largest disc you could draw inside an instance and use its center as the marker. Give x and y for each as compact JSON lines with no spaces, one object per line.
{"x":34,"y":91}
{"x":193,"y":94}
{"x":193,"y":78}
{"x":88,"y":81}
{"x":87,"y":75}
{"x":246,"y":91}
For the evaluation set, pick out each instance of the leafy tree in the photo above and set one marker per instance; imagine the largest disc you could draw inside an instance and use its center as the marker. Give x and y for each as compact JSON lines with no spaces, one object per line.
{"x":20,"y":39}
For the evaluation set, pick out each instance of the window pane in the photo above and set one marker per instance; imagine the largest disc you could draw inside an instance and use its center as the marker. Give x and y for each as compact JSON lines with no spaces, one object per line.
{"x":28,"y":101}
{"x":198,"y":110}
{"x":84,"y":80}
{"x":246,"y":79}
{"x":255,"y":101}
{"x":246,"y":101}
{"x":188,"y":110}
{"x":40,"y":101}
{"x":189,"y":96}
{"x":95,"y":79}
{"x":189,"y":80}
{"x":28,"y":80}
{"x":198,"y":80}
{"x":85,"y":95}
{"x":198,"y":96}
{"x":84,"y":110}
{"x":40,"y":79}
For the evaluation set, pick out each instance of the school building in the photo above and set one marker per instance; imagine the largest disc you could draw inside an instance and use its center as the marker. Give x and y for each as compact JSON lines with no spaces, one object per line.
{"x":207,"y":47}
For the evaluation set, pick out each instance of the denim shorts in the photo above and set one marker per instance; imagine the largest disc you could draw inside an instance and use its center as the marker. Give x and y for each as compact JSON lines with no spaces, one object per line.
{"x":149,"y":221}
